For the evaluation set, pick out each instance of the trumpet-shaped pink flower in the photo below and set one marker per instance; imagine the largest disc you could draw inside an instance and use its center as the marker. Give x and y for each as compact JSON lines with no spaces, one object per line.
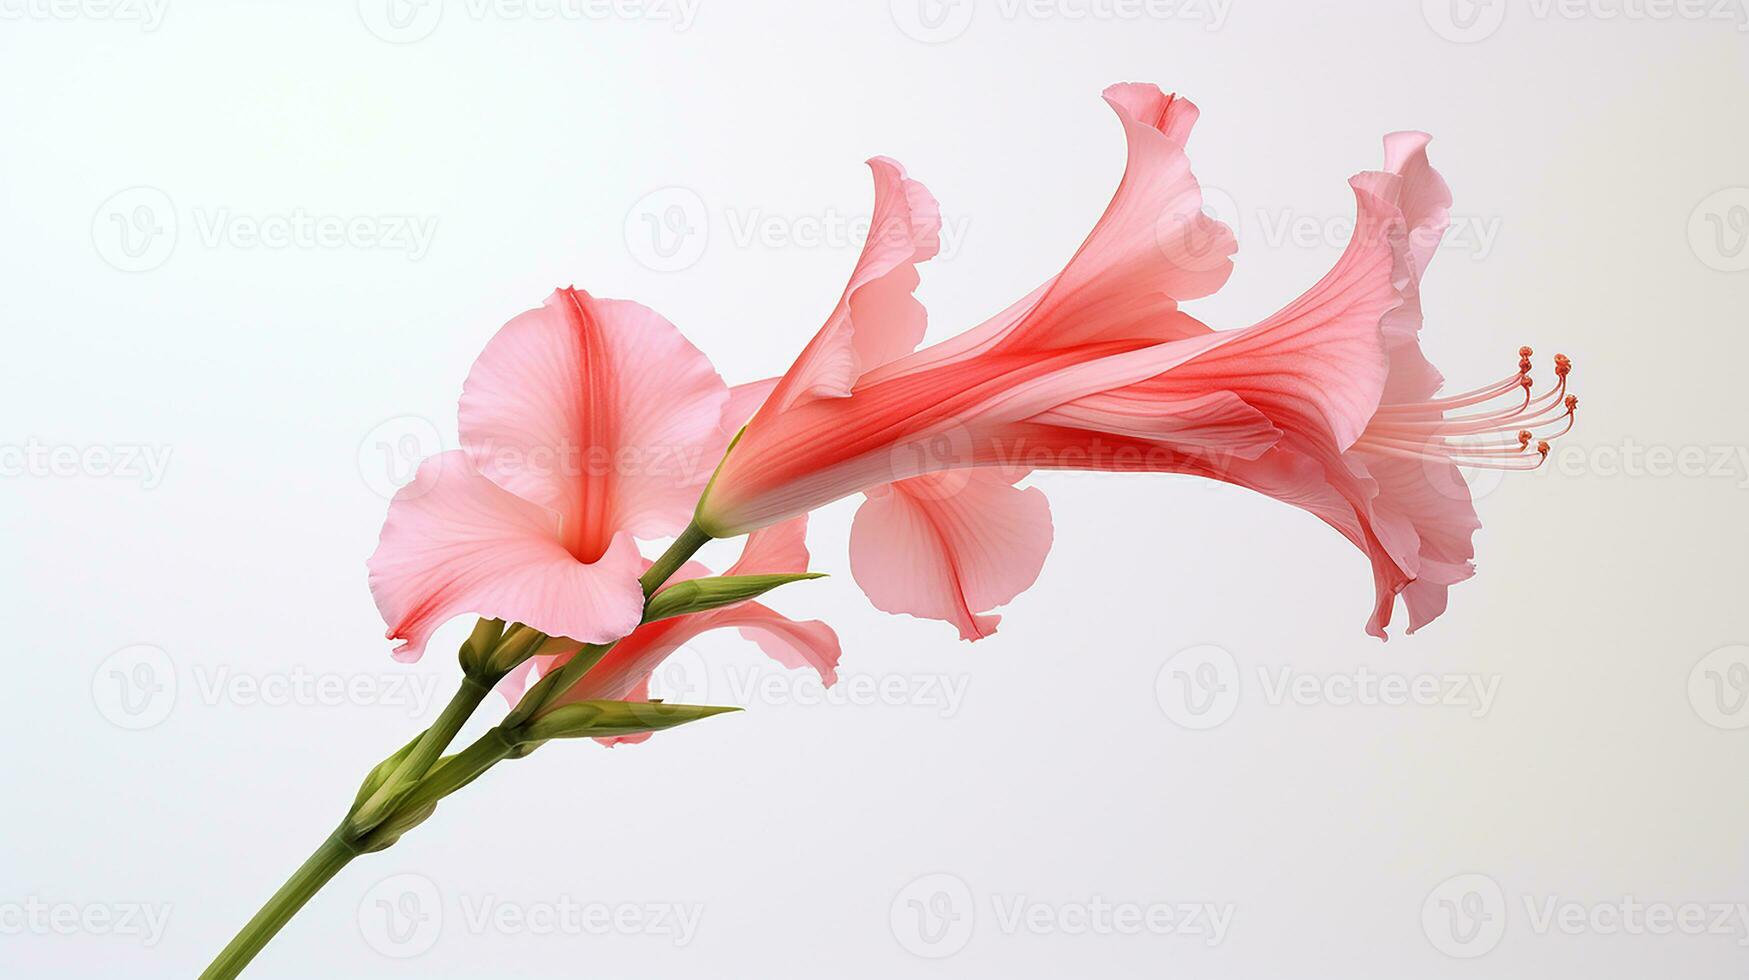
{"x":1328,"y":404}
{"x":585,"y":424}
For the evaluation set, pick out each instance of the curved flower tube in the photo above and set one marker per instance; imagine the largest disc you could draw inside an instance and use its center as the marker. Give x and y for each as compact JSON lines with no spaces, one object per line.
{"x":1100,"y":369}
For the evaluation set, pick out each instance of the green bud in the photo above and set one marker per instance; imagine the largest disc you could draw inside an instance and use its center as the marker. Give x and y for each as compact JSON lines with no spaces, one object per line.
{"x":701,"y":594}
{"x":605,"y":719}
{"x":479,"y":645}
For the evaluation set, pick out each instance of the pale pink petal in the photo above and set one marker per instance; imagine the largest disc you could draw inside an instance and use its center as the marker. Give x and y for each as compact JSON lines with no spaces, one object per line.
{"x":454,"y":542}
{"x":950,"y":546}
{"x":1153,"y":248}
{"x":600,"y":410}
{"x":744,"y":400}
{"x":781,"y":549}
{"x":795,"y":644}
{"x":876,"y":319}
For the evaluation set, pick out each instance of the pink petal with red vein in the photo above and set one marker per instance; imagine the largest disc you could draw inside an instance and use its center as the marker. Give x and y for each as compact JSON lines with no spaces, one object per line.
{"x":876,"y":319}
{"x":600,"y":410}
{"x":950,"y":546}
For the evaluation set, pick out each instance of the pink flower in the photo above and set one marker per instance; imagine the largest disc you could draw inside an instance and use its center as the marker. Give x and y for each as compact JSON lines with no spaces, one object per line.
{"x":1328,"y":404}
{"x":624,"y":673}
{"x":585,"y":424}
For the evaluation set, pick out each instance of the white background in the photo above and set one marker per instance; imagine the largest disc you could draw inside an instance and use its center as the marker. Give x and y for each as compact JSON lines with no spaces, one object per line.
{"x":1588,"y":147}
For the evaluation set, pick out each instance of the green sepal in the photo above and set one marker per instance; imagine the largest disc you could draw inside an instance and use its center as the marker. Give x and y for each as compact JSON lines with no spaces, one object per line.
{"x":702,"y":594}
{"x":380,"y":774}
{"x":606,"y":719}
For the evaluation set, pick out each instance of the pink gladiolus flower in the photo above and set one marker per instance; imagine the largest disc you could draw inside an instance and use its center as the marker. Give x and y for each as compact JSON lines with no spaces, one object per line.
{"x":624,"y":673}
{"x":585,"y":424}
{"x":1328,"y":404}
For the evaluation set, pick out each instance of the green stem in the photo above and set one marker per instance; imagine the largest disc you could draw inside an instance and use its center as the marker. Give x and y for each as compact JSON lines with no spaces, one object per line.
{"x":683,"y":548}
{"x":308,"y":879}
{"x":420,"y":780}
{"x":418,"y":762}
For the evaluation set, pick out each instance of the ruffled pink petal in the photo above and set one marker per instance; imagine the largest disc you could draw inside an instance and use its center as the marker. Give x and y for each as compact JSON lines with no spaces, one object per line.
{"x":796,"y":644}
{"x":1425,"y":202}
{"x":454,"y":542}
{"x":877,"y":319}
{"x":599,"y":410}
{"x":950,"y":546}
{"x":1153,"y":248}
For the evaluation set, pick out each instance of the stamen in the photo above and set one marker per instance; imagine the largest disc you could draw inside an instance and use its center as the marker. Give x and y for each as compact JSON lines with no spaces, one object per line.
{"x":1424,"y":430}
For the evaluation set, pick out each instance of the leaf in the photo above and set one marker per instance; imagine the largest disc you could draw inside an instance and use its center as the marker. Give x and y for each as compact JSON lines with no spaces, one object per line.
{"x":604,"y":719}
{"x":702,"y":594}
